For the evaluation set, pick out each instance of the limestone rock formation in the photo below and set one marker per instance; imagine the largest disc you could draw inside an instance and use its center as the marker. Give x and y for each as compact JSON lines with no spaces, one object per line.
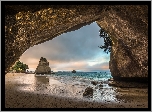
{"x":127,"y":25}
{"x":129,"y":33}
{"x":73,"y":71}
{"x":43,"y":67}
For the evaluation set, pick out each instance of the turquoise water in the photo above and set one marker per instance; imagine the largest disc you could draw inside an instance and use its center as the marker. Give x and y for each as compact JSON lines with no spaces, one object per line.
{"x":76,"y":83}
{"x":91,"y":76}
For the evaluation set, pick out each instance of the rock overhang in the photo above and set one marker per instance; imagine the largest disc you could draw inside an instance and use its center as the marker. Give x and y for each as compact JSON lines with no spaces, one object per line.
{"x":127,"y":26}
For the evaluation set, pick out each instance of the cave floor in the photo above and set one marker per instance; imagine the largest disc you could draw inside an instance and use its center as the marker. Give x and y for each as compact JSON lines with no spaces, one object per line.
{"x":20,"y":94}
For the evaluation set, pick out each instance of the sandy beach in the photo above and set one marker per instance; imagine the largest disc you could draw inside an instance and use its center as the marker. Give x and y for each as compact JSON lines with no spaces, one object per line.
{"x":28,"y":91}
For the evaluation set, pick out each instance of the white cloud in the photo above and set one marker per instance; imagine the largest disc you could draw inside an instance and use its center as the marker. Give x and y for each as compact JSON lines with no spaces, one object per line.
{"x":74,"y":50}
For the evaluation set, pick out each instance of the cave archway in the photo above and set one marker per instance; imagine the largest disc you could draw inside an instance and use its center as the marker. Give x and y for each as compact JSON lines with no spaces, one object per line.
{"x":76,"y":50}
{"x":26,"y":26}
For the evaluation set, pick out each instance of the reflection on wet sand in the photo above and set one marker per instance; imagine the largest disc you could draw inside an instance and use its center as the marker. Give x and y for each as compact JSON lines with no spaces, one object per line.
{"x":41,"y":80}
{"x":41,"y":83}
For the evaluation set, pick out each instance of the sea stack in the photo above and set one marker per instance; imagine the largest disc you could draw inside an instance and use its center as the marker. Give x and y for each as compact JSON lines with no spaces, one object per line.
{"x":43,"y":67}
{"x":73,"y":71}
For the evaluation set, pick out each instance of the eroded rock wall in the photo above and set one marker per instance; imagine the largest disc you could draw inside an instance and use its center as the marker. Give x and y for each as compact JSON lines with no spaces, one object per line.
{"x":128,"y":28}
{"x":127,"y":25}
{"x":26,"y":27}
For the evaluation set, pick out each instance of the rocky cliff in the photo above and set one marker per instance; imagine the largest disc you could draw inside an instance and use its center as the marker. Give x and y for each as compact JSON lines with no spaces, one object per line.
{"x":129,"y":33}
{"x":43,"y":67}
{"x":127,"y":25}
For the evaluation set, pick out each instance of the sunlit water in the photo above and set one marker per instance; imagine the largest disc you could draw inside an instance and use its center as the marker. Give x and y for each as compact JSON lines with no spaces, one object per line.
{"x":65,"y":84}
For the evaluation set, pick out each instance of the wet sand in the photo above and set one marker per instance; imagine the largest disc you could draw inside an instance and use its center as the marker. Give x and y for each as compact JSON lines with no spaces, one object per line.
{"x":23,"y":91}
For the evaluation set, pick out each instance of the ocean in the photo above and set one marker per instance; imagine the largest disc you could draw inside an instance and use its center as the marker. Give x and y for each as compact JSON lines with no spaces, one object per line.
{"x":73,"y":85}
{"x":81,"y":76}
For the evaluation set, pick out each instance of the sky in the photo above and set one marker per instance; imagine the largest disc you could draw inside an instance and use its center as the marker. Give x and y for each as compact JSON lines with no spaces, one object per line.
{"x":76,"y":50}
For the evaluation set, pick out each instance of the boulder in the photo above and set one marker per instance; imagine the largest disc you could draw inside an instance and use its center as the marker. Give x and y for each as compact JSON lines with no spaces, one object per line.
{"x":111,"y":79}
{"x":88,"y":92}
{"x":101,"y":85}
{"x":112,"y":83}
{"x":73,"y":71}
{"x":94,"y":82}
{"x":43,"y":67}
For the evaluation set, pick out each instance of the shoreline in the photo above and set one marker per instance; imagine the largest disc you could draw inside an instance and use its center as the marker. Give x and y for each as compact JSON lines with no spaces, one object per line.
{"x":41,"y":98}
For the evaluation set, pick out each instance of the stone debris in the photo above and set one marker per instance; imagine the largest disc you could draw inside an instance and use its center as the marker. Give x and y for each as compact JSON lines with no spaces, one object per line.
{"x":94,"y":82}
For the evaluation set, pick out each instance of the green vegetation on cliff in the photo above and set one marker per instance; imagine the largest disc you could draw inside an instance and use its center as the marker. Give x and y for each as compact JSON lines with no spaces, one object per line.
{"x":107,"y":41}
{"x":19,"y":67}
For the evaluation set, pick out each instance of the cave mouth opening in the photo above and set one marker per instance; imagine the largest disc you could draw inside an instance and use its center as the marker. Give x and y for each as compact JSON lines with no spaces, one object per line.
{"x":112,"y":19}
{"x":76,"y":50}
{"x":60,"y":89}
